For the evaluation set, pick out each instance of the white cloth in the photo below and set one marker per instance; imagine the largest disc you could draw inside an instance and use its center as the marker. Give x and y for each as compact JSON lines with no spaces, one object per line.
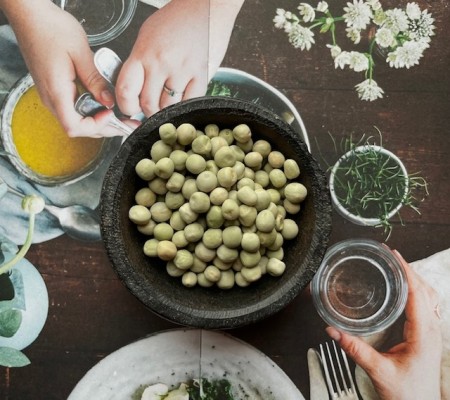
{"x":435,"y":270}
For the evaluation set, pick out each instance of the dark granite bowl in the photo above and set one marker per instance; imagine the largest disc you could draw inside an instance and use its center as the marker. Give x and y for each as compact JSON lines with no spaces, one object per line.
{"x":213,"y":308}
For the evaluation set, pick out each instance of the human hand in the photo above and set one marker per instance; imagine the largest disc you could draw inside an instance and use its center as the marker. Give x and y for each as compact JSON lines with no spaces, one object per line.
{"x":177,"y":50}
{"x":57,"y":53}
{"x":411,"y":369}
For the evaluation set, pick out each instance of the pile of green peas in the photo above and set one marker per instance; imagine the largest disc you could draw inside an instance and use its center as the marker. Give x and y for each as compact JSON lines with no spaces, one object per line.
{"x":215,"y":205}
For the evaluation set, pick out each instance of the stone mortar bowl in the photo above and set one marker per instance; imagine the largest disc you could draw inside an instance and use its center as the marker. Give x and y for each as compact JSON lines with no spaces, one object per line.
{"x":213,"y":308}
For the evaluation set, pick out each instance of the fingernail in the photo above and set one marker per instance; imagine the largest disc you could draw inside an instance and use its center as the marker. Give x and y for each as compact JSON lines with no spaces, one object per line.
{"x":107,"y":96}
{"x":333,"y":333}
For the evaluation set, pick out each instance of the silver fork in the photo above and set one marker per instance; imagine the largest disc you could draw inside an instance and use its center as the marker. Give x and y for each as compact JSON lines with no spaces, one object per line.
{"x":342,"y":386}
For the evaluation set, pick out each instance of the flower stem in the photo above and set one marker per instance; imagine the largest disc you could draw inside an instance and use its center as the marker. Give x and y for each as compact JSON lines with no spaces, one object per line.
{"x":26,"y":246}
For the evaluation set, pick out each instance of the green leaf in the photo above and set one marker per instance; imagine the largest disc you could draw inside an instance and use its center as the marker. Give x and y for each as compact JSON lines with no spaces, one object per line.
{"x":10,"y":357}
{"x":10,"y":321}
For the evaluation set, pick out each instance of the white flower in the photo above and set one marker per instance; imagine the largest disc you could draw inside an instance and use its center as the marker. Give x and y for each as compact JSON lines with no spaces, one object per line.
{"x":385,"y":38}
{"x":421,"y":28}
{"x":396,"y":20}
{"x":322,"y":6}
{"x":407,"y":55}
{"x":369,"y":90}
{"x":354,"y":35}
{"x":335,"y":50}
{"x":342,"y":60}
{"x":301,"y":37}
{"x":374,"y":4}
{"x":358,"y":62}
{"x":413,"y":11}
{"x":357,"y":14}
{"x":307,"y":12}
{"x":280,"y":18}
{"x":379,"y":17}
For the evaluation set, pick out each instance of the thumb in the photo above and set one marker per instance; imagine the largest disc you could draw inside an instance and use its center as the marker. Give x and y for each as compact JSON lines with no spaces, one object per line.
{"x":92,"y":81}
{"x":358,"y":350}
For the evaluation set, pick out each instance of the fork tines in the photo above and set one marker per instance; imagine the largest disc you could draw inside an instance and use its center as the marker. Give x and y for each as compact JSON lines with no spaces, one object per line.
{"x":339,"y":379}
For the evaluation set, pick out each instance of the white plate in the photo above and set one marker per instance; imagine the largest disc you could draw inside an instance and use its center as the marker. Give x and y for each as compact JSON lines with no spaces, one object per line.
{"x":172,"y":357}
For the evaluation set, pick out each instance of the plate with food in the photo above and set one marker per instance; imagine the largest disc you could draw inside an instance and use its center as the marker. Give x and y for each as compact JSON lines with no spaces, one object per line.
{"x":189,"y":363}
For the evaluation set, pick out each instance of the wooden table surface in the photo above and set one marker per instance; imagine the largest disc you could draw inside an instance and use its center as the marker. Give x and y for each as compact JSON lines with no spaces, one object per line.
{"x":92,"y":314}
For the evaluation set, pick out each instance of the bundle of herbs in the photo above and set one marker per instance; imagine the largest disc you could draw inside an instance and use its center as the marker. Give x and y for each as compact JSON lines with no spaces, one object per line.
{"x":371,"y":184}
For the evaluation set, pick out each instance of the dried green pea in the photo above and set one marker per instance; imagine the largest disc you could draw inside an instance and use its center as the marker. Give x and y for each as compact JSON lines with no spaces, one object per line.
{"x":166,"y":250}
{"x":230,"y":209}
{"x":160,"y":150}
{"x":232,"y":236}
{"x":212,"y":167}
{"x":290,"y":229}
{"x":237,"y":265}
{"x":174,"y":200}
{"x":291,"y":208}
{"x":176,"y":222}
{"x":240,"y":280}
{"x":295,"y":192}
{"x":277,"y":178}
{"x":275,"y":267}
{"x":148,"y":228}
{"x":216,"y":144}
{"x":168,"y":133}
{"x":226,"y":280}
{"x":187,"y":214}
{"x":198,"y":265}
{"x":158,"y":185}
{"x":145,"y":169}
{"x":262,"y":147}
{"x":239,"y":167}
{"x":175,"y":182}
{"x":246,"y":195}
{"x":218,"y":196}
{"x":164,"y":168}
{"x":189,"y":187}
{"x":212,"y":130}
{"x":163,"y":231}
{"x":212,"y":273}
{"x":179,"y":239}
{"x":189,"y":279}
{"x":145,"y":197}
{"x":186,"y":134}
{"x":276,"y":159}
{"x":193,"y":232}
{"x":206,"y":181}
{"x":253,"y":160}
{"x":277,"y":244}
{"x":244,"y":181}
{"x":202,"y":145}
{"x":160,"y":212}
{"x":274,"y":195}
{"x":226,"y":254}
{"x":226,"y":177}
{"x":232,"y":195}
{"x":222,"y":265}
{"x":279,"y":253}
{"x":273,"y":208}
{"x":267,"y":238}
{"x":183,"y":259}
{"x":249,"y":173}
{"x":151,"y":247}
{"x":249,"y":259}
{"x":203,"y":281}
{"x":263,"y":199}
{"x":242,"y":133}
{"x":227,"y":134}
{"x":247,"y":215}
{"x":249,"y":229}
{"x":291,"y":169}
{"x":247,"y":146}
{"x":251,"y":274}
{"x":212,"y":238}
{"x":250,"y":242}
{"x":225,"y":157}
{"x":195,"y":164}
{"x":262,"y":177}
{"x":139,"y":214}
{"x":199,"y":202}
{"x":240,"y":154}
{"x":179,"y":158}
{"x":265,"y":221}
{"x":263,"y":264}
{"x":204,"y":253}
{"x":173,"y":271}
{"x":214,"y":217}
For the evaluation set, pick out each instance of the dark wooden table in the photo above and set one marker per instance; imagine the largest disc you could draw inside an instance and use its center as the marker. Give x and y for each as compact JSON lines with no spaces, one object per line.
{"x":92,"y":314}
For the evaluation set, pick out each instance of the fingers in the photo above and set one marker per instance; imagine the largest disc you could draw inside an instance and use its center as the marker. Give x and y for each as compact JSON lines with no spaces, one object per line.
{"x":359,"y":351}
{"x":129,"y":86}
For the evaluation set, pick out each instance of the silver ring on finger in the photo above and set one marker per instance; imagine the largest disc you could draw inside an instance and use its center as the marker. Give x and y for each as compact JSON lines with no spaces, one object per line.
{"x":172,"y":92}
